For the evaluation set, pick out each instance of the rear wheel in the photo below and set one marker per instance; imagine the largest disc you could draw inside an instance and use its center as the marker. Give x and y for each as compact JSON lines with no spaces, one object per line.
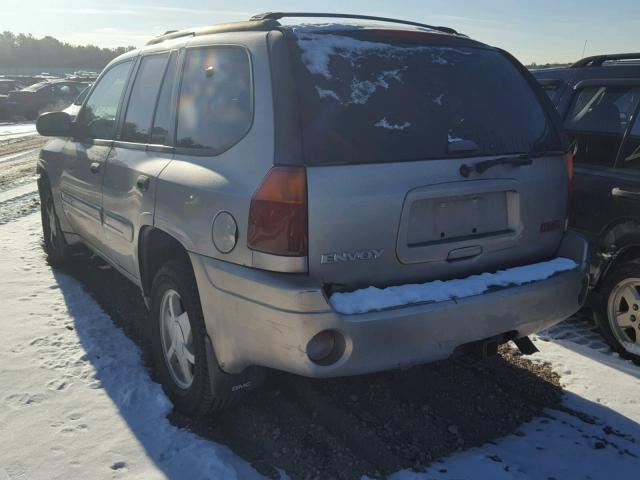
{"x":55,"y":245}
{"x":618,"y":316}
{"x":184,"y":357}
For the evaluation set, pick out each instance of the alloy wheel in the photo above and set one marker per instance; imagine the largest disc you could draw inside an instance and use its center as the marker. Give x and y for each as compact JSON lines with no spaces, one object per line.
{"x":623,"y":311}
{"x":177,"y":339}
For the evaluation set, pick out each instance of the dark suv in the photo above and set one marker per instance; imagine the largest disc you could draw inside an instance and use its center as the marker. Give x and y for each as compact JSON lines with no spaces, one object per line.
{"x":599,"y":100}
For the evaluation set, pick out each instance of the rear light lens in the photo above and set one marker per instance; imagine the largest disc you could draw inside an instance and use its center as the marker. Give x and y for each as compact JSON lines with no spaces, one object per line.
{"x":568,"y":157}
{"x":278,"y":213}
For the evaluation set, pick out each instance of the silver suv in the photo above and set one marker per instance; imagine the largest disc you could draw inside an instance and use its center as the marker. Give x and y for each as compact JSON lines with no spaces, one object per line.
{"x":317,"y":198}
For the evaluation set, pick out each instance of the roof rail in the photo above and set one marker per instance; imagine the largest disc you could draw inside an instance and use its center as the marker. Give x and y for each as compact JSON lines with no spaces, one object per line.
{"x":598,"y":60}
{"x":279,"y":15}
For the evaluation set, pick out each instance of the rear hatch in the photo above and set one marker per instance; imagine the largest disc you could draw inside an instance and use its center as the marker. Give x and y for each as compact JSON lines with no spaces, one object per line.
{"x":428,"y":156}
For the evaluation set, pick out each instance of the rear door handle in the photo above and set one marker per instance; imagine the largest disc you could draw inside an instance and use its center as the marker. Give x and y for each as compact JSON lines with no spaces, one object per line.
{"x":95,"y":167}
{"x":142,"y":183}
{"x":630,"y":194}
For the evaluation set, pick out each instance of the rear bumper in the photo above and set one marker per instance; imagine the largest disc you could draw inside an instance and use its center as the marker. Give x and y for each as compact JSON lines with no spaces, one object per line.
{"x":260,"y":318}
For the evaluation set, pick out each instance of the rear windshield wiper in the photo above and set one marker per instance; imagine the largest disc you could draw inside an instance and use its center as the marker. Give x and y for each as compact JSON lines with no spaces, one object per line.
{"x":515,"y":161}
{"x":481,"y":167}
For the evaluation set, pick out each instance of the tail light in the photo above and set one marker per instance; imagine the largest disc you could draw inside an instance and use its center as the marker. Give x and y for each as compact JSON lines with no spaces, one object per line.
{"x":568,"y":158}
{"x":278,"y":213}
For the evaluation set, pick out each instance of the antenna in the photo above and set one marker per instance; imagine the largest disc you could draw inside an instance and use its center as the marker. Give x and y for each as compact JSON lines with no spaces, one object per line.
{"x":584,"y":49}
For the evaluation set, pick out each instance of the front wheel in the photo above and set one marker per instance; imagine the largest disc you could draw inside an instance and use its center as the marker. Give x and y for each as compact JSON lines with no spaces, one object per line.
{"x":58,"y":250}
{"x":618,"y":316}
{"x":184,"y":356}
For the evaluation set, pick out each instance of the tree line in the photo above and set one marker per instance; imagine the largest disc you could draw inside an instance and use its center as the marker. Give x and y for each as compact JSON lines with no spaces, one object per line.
{"x":27,"y":51}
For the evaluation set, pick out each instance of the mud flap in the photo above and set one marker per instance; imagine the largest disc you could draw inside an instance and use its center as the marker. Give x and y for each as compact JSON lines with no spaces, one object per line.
{"x":231,"y":385}
{"x":525,"y":345}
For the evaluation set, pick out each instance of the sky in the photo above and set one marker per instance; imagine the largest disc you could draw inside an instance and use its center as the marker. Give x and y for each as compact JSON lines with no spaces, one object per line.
{"x":538,"y":31}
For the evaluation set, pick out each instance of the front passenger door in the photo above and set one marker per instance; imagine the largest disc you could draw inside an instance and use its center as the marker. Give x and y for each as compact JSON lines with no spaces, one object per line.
{"x":85,"y":155}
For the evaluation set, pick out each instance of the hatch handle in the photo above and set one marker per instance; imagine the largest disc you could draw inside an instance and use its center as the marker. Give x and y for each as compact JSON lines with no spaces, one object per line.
{"x":464,"y":253}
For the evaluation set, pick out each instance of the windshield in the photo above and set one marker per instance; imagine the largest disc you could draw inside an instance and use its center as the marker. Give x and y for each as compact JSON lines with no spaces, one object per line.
{"x":366,"y":101}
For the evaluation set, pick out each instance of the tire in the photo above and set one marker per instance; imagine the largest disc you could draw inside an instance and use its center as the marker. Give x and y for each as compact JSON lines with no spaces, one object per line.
{"x":55,"y":245}
{"x":616,"y":316}
{"x":208,"y":389}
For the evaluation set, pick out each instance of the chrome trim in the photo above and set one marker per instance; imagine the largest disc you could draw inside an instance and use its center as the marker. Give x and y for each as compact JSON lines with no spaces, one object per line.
{"x":277,"y":263}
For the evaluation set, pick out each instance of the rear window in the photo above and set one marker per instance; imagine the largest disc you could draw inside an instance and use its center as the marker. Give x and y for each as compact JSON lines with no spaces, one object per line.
{"x":365,"y":101}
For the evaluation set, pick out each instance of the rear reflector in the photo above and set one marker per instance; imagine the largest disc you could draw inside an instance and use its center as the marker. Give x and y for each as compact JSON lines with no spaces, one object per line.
{"x":278,"y":213}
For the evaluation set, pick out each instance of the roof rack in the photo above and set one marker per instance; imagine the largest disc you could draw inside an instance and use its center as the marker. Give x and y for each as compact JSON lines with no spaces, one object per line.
{"x":279,"y":15}
{"x":598,"y":60}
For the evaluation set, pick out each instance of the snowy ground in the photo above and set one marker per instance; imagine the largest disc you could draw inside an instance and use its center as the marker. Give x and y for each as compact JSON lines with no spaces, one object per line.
{"x":13,"y":130}
{"x":78,"y":403}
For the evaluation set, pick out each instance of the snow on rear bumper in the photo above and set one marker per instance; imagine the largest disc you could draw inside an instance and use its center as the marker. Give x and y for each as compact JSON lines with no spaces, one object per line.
{"x":266,"y":319}
{"x":373,"y":299}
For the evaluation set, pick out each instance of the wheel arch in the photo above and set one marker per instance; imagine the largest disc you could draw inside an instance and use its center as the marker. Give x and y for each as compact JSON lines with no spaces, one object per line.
{"x":620,"y":244}
{"x":155,"y":247}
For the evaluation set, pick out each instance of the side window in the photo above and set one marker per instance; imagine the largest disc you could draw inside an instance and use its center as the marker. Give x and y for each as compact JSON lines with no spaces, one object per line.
{"x":630,"y":157}
{"x":162,"y":119}
{"x":142,"y":103}
{"x":215,"y":106}
{"x":98,"y":117}
{"x":597,"y":120}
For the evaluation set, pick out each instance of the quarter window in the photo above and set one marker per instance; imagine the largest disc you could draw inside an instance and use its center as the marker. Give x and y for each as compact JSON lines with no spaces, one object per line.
{"x":137,"y":123}
{"x":597,"y":120}
{"x":98,"y":117}
{"x":215,"y":106}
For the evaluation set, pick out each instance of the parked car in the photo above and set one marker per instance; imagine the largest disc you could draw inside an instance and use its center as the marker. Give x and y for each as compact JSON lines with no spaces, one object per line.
{"x":599,"y":99}
{"x":44,"y":96}
{"x":265,"y":184}
{"x":74,"y":108}
{"x":6,"y":86}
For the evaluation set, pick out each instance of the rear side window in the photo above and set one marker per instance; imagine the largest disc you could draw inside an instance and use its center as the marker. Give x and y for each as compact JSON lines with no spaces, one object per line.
{"x":162,"y":121}
{"x":98,"y":117}
{"x":142,"y":103}
{"x":597,"y":120}
{"x":363,"y":100}
{"x":215,"y":107}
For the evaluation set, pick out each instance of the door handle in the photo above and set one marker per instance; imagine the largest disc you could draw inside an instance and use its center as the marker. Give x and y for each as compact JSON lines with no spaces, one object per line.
{"x":142,"y":183}
{"x":95,"y":167}
{"x":630,"y":194}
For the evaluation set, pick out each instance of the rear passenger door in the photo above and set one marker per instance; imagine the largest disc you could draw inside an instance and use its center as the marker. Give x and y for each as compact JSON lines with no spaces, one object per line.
{"x":596,"y":122}
{"x":143,"y":148}
{"x":626,"y":191}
